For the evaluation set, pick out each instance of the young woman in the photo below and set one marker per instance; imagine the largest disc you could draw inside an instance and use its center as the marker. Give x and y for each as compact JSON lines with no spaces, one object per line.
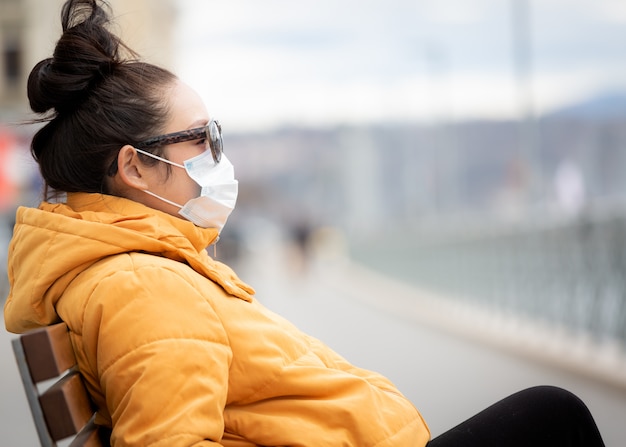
{"x":175,"y":349}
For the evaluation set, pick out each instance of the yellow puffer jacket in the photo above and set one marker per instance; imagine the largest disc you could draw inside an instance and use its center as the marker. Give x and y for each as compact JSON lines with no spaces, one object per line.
{"x":175,"y":349}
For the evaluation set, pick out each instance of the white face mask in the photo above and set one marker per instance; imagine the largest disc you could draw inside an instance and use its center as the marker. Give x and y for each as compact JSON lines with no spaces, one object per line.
{"x":218,"y":193}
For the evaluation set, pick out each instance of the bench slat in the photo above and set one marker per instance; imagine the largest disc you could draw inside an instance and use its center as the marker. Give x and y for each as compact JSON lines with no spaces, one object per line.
{"x":48,"y":352}
{"x":66,"y":406}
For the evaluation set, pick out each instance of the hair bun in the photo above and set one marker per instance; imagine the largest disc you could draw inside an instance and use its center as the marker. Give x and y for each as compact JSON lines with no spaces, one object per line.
{"x":86,"y":54}
{"x":39,"y":100}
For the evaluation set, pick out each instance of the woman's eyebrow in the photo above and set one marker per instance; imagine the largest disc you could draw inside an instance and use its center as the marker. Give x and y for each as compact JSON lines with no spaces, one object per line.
{"x":198,"y":123}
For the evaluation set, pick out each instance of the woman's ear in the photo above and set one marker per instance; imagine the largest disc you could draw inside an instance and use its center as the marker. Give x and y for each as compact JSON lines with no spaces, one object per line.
{"x":131,"y":171}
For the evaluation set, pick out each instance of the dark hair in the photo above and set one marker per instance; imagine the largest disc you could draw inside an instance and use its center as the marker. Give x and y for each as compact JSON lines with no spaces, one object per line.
{"x":95,"y":101}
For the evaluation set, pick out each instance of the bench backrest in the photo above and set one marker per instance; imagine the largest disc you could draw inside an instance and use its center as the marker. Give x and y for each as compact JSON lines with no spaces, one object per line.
{"x":63,"y":409}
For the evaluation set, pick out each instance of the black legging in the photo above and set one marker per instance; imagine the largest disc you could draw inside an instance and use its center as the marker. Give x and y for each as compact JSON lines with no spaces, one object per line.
{"x":542,"y":416}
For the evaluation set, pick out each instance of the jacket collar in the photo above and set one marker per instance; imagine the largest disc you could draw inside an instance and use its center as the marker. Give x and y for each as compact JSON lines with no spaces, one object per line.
{"x":55,"y":243}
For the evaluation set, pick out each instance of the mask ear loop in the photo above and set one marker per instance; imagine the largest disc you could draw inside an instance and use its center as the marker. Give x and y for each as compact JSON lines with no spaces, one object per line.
{"x":165,"y":160}
{"x":162,"y":198}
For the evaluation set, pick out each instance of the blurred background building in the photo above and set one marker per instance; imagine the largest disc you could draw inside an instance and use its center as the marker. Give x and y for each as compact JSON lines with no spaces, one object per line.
{"x":30,"y":28}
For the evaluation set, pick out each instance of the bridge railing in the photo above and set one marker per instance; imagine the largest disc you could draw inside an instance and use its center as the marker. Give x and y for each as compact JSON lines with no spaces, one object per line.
{"x":569,"y":273}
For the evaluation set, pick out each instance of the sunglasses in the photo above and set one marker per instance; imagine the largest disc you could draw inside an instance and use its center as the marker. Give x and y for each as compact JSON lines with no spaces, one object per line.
{"x":211,"y":134}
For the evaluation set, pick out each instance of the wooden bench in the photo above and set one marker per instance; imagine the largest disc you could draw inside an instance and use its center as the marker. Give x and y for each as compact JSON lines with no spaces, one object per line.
{"x":63,"y":410}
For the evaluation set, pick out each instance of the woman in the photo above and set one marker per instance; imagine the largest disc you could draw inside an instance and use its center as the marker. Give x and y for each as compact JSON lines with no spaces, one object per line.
{"x":174,"y":347}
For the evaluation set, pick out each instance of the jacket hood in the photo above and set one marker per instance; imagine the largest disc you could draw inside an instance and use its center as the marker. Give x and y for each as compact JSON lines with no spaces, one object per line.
{"x":56,"y":242}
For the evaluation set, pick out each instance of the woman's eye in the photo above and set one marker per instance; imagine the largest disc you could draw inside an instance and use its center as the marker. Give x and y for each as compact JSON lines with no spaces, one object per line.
{"x":201,"y":142}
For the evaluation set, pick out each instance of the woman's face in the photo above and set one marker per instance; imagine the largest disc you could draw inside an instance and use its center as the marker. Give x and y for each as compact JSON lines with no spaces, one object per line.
{"x":186,"y":111}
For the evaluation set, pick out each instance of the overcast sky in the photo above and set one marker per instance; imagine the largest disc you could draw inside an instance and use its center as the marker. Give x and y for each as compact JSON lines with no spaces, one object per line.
{"x":275,"y":62}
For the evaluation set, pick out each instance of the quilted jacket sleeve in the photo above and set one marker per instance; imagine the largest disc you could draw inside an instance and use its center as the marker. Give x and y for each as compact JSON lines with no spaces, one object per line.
{"x":161,"y":356}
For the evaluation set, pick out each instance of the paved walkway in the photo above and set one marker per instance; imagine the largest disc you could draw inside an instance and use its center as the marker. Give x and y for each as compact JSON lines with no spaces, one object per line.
{"x":449,"y":376}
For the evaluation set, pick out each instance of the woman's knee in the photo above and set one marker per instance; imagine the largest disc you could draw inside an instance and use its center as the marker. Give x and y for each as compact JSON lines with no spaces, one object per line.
{"x":553,"y":397}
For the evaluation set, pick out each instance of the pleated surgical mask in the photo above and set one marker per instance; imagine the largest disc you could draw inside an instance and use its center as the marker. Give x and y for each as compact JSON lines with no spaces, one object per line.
{"x":218,"y":193}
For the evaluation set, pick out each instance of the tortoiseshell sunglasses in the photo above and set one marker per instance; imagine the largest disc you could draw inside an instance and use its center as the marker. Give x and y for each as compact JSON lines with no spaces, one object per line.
{"x":211,"y":133}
